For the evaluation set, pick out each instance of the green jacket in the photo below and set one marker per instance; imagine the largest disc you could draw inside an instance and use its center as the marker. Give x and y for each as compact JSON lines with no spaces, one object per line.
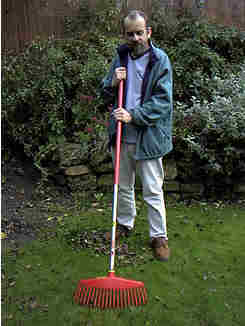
{"x":153,"y":117}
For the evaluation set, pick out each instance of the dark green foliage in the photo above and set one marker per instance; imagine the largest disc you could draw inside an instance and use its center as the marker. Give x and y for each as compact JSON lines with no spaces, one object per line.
{"x":50,"y":94}
{"x":199,"y":51}
{"x":211,"y":134}
{"x":104,"y":19}
{"x":194,"y":68}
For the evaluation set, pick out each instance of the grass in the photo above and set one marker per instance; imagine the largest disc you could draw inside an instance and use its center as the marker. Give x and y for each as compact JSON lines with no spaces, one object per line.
{"x":201,"y":285}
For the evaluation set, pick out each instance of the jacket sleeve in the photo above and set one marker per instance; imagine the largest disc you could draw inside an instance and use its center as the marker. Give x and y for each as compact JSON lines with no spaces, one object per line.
{"x":108,"y":93}
{"x":158,"y":105}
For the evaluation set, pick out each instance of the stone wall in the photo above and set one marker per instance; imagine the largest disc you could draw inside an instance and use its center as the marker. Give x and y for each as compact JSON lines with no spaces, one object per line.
{"x":95,"y":173}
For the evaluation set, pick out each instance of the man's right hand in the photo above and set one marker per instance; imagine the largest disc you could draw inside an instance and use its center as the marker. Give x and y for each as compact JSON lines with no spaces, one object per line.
{"x":119,"y":74}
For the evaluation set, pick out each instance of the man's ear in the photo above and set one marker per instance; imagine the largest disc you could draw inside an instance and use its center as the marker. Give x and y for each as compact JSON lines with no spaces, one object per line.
{"x":149,"y":31}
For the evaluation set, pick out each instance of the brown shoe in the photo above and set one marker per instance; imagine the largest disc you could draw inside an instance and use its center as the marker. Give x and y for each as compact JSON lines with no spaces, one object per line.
{"x":160,"y":249}
{"x":121,"y":231}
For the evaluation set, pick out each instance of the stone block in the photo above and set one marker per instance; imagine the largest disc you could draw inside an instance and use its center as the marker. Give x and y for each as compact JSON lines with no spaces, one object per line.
{"x":170,"y":169}
{"x":72,"y":154}
{"x":104,"y":168}
{"x":171,"y":186}
{"x":105,"y":181}
{"x":82,"y":182}
{"x":77,"y":170}
{"x":239,"y":188}
{"x":192,"y":188}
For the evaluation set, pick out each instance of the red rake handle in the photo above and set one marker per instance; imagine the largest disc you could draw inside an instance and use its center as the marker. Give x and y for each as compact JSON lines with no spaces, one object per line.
{"x":119,"y":135}
{"x":116,"y":182}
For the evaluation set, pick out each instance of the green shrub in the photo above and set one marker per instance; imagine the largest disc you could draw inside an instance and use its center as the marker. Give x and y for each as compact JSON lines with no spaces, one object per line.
{"x":199,"y":50}
{"x":171,"y":26}
{"x":210,"y":136}
{"x":195,"y":67}
{"x":105,"y":19}
{"x":51,"y":88}
{"x":50,"y":95}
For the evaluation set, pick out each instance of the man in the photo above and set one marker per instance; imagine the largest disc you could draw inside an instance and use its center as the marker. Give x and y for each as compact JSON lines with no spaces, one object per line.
{"x":147,"y":127}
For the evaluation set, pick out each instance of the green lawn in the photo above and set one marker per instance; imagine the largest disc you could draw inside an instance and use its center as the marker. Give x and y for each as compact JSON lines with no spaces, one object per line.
{"x":203,"y":284}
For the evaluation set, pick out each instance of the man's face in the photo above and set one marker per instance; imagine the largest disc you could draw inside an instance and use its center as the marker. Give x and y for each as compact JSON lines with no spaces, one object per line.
{"x":137,"y":35}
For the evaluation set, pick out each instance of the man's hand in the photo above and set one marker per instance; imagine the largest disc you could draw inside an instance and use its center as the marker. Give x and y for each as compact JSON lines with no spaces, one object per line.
{"x":119,"y":74}
{"x":122,"y":115}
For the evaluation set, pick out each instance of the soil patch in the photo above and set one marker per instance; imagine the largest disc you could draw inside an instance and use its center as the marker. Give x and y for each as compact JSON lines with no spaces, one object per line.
{"x":21,"y":210}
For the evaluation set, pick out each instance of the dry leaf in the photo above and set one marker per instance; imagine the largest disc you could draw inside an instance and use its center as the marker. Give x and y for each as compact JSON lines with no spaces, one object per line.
{"x":50,"y":218}
{"x":94,"y":204}
{"x":34,"y":305}
{"x":3,"y":235}
{"x":60,"y":219}
{"x":44,"y":308}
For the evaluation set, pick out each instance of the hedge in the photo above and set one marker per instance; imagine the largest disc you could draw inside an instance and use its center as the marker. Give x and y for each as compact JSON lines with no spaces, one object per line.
{"x":51,"y":91}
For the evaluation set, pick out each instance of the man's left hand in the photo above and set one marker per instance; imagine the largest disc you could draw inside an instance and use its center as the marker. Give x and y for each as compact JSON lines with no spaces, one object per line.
{"x":122,"y":115}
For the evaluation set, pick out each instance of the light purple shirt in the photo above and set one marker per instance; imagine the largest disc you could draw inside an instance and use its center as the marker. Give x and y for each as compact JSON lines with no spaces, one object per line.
{"x":135,"y":72}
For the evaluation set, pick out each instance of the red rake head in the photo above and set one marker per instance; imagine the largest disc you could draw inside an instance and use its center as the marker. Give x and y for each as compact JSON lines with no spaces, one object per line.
{"x":110,"y":292}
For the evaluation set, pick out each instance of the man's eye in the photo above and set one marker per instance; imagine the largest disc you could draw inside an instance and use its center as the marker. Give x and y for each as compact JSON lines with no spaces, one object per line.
{"x":138,"y":33}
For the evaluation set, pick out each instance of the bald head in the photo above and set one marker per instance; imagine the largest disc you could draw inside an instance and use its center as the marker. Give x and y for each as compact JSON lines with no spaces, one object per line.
{"x":135,"y":15}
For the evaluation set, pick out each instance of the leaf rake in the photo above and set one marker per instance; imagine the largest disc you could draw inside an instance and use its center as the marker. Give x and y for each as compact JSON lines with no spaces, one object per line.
{"x":112,"y":292}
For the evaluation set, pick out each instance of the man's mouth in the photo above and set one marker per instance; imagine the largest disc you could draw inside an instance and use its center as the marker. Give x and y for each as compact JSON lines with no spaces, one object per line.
{"x":133,"y":45}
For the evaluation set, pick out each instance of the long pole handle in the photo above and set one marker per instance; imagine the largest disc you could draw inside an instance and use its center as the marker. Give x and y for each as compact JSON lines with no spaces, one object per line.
{"x":119,"y":135}
{"x":116,"y":182}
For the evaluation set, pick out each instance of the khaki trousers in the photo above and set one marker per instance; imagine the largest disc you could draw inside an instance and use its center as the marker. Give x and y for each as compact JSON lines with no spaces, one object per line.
{"x":152,"y":177}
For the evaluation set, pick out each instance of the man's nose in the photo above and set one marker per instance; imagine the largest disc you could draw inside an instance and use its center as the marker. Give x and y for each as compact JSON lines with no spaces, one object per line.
{"x":136,"y":37}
